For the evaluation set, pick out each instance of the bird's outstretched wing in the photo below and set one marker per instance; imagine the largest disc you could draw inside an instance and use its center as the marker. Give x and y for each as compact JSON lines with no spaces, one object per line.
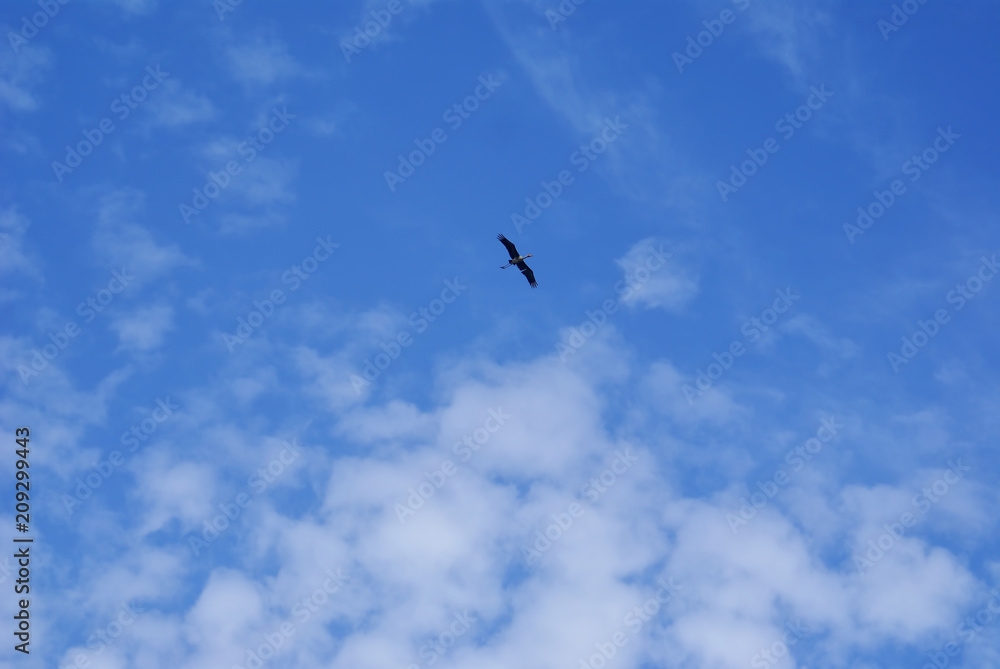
{"x":511,"y":249}
{"x":528,"y":274}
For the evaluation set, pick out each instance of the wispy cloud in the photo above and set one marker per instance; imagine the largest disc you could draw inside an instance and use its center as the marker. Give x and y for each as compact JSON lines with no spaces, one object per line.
{"x":144,"y":329}
{"x":20,"y":73}
{"x":261,"y":61}
{"x":14,"y":257}
{"x":176,"y":106}
{"x":119,"y":238}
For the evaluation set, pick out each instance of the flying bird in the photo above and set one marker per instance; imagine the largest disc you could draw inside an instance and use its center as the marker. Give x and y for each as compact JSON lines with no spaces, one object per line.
{"x":518,"y":259}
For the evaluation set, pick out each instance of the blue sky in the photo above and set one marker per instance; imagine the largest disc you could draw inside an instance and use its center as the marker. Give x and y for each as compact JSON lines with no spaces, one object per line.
{"x":287,"y":411}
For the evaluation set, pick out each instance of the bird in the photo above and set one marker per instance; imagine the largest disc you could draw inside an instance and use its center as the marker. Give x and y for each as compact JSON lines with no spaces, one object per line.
{"x":518,"y":259}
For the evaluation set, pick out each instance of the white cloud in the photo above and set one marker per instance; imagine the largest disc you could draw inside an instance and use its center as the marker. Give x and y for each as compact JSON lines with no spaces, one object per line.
{"x":254,"y":197}
{"x":461,"y":547}
{"x":33,"y":393}
{"x":175,"y":106}
{"x":174,"y":490}
{"x":670,"y":285}
{"x":19,"y":73}
{"x":789,"y":33}
{"x":391,"y":421}
{"x":120,"y":240}
{"x":562,"y":75}
{"x":261,"y":61}
{"x":265,"y":181}
{"x":812,"y":329}
{"x":665,"y":383}
{"x":836,"y":350}
{"x":145,"y":328}
{"x":887,"y":604}
{"x":13,"y":256}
